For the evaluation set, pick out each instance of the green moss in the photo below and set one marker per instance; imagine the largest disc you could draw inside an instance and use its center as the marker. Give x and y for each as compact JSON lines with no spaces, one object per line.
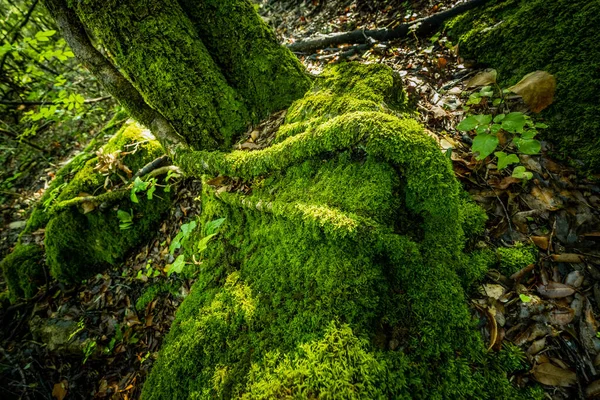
{"x":79,"y":244}
{"x":511,"y":37}
{"x":339,"y":269}
{"x":4,"y":299}
{"x":513,"y":259}
{"x":23,"y":271}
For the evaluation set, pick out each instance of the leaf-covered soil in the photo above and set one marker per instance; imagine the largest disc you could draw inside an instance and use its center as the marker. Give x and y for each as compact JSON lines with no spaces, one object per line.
{"x":543,"y":298}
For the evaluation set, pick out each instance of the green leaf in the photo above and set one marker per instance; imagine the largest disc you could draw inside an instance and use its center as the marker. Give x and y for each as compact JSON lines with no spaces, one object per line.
{"x":175,"y":243}
{"x":541,"y":125}
{"x":44,"y":35}
{"x":212,"y":226}
{"x":524,"y":298}
{"x":496,"y":102}
{"x":528,"y":146}
{"x":505,"y":159}
{"x":485,"y":144}
{"x":150,"y":192}
{"x":483,"y":119}
{"x":475,"y":98}
{"x":177,"y":266}
{"x":133,"y":197}
{"x":530,"y":134}
{"x":514,"y":122}
{"x":486,"y":91}
{"x":498,"y":118}
{"x":521,"y":173}
{"x":495,"y":128}
{"x":467,"y":124}
{"x":203,"y":243}
{"x":481,"y":129}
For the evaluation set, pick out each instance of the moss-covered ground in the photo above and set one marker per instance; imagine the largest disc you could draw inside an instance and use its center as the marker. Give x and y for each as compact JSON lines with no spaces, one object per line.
{"x":342,"y":273}
{"x":517,"y":37}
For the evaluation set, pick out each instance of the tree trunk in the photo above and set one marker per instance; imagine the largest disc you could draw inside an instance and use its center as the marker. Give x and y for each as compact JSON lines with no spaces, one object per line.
{"x":210,"y":68}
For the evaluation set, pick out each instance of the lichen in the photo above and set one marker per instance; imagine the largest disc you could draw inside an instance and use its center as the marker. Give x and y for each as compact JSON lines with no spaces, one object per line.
{"x":339,"y":268}
{"x":511,"y":37}
{"x":23,"y":271}
{"x":79,"y":244}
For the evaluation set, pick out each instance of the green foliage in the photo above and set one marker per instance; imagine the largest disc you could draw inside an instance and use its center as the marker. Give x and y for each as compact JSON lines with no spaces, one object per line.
{"x":125,"y":219}
{"x":350,"y":239}
{"x":511,"y":37}
{"x":519,"y":127}
{"x":512,"y":259}
{"x":139,"y":185}
{"x":23,"y":271}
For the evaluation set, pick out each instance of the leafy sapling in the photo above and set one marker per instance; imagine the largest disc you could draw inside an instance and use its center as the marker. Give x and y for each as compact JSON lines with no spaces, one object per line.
{"x":517,"y":127}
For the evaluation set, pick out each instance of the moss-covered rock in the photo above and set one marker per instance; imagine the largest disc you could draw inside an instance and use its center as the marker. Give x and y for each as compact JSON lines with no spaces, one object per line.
{"x":339,"y":273}
{"x":80,"y":243}
{"x":512,"y":37}
{"x":24,"y":271}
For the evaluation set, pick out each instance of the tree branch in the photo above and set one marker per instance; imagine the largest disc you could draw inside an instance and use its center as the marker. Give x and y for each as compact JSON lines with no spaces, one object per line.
{"x":38,"y":103}
{"x":110,"y":78}
{"x":420,"y":26}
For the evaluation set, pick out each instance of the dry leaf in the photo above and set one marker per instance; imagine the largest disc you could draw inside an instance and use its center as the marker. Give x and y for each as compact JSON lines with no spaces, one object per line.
{"x":537,"y":90}
{"x":492,"y":290}
{"x":555,"y":290}
{"x":60,"y":390}
{"x":438,"y":112}
{"x":567,"y":258}
{"x":551,"y":375}
{"x":593,"y":389}
{"x":487,"y":77}
{"x":541,"y":241}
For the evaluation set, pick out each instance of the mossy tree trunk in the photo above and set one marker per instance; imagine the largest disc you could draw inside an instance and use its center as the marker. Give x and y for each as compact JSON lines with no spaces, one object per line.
{"x":209,"y":68}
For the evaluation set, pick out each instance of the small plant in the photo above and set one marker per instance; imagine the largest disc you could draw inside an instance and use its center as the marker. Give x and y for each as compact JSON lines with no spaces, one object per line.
{"x":497,"y":121}
{"x":210,"y":230}
{"x":149,"y":272}
{"x":142,"y":186}
{"x":88,"y":350}
{"x":125,"y":218}
{"x":114,"y":340}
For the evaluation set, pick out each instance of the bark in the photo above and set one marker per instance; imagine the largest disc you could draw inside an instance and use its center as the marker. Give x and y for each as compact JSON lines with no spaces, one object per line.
{"x":208,"y":94}
{"x":112,"y":80}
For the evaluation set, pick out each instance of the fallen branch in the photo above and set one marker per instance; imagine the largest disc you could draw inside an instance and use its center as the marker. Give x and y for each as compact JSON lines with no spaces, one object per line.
{"x":152,"y":165}
{"x":420,"y":26}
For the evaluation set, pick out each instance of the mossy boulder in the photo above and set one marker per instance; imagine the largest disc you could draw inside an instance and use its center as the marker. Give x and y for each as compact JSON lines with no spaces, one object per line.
{"x":339,"y":273}
{"x":513,"y":37}
{"x":24,"y":270}
{"x":80,"y":242}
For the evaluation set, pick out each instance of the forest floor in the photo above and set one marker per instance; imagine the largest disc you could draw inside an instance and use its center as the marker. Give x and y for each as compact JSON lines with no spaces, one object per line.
{"x":548,"y":309}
